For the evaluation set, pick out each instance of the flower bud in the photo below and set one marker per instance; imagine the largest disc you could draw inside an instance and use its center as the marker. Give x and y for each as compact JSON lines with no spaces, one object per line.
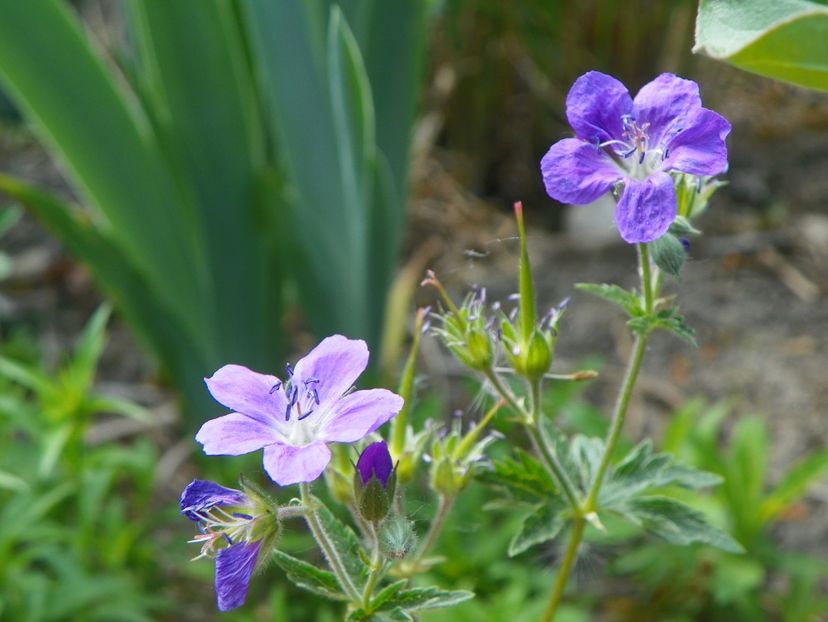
{"x":374,"y":482}
{"x":397,"y":537}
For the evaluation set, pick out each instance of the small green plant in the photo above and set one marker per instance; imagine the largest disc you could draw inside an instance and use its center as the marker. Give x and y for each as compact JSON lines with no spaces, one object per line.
{"x":74,"y":542}
{"x":766,"y":582}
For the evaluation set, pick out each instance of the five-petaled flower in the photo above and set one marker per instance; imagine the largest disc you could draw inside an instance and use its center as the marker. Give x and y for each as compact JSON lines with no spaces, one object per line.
{"x":293,"y":420}
{"x":638,"y":142}
{"x":234,"y":528}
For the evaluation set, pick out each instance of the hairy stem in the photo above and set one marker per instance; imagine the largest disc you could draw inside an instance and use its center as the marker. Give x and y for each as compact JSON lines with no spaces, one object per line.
{"x":529,"y":420}
{"x":566,"y":567}
{"x":444,"y":505}
{"x":376,"y":567}
{"x":328,"y":548}
{"x":619,"y":414}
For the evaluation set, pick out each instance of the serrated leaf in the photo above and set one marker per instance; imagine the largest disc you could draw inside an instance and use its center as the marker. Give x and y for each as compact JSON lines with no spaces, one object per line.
{"x":627,"y":300}
{"x":523,"y":477}
{"x":419,"y":598}
{"x":675,"y":324}
{"x":668,"y":254}
{"x":677,"y":523}
{"x":585,"y":454}
{"x":542,"y":525}
{"x":782,"y":39}
{"x":386,"y":593}
{"x":346,"y":543}
{"x":309,"y":577}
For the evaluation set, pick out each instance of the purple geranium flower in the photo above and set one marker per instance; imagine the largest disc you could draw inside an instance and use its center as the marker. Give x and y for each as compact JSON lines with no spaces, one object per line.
{"x":637,"y":142}
{"x":226,"y":519}
{"x":293,"y":420}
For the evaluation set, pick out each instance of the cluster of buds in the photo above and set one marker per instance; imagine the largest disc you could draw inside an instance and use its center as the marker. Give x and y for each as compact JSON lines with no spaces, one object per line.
{"x":454,"y":456}
{"x":475,"y":331}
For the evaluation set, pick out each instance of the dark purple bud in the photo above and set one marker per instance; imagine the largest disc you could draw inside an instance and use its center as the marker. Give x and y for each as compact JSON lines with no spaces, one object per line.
{"x":375,"y":460}
{"x":234,"y":567}
{"x":685,"y":242}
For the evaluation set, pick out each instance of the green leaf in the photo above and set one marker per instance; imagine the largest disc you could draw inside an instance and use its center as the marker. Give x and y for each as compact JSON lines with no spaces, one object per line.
{"x":781,"y":39}
{"x":309,"y":577}
{"x":794,"y":484}
{"x":523,"y":477}
{"x":677,"y":523}
{"x":585,"y":454}
{"x":419,"y":598}
{"x":388,"y":592}
{"x":668,"y":254}
{"x":542,"y":525}
{"x":734,"y":577}
{"x":346,"y":544}
{"x":668,"y":319}
{"x":627,"y":300}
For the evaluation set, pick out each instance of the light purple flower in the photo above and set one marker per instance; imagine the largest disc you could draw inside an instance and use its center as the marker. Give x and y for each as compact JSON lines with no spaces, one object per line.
{"x":293,"y":420}
{"x":226,"y":519}
{"x":637,"y":142}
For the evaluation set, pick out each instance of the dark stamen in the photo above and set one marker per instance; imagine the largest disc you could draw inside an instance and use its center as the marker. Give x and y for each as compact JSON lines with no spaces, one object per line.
{"x":275,"y":387}
{"x":226,"y":537}
{"x":289,"y":370}
{"x":305,"y":415}
{"x":244,"y":516}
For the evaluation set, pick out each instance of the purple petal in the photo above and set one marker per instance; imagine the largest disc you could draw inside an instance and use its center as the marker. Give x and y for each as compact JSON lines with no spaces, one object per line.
{"x":667,"y":104}
{"x":375,"y":460}
{"x":358,"y":414}
{"x":235,"y":434}
{"x":200,"y":495}
{"x":646,"y":209}
{"x":595,"y":106}
{"x":336,"y":362}
{"x":247,"y":392}
{"x":286,"y":464}
{"x":234,"y":567}
{"x":700,"y":149}
{"x":577,"y":172}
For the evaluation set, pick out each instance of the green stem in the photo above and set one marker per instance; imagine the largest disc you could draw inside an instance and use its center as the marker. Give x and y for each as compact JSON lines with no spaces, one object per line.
{"x":617,"y":424}
{"x":646,"y":285}
{"x":444,"y":505}
{"x":529,"y":420}
{"x":566,"y":567}
{"x":376,"y":567}
{"x":328,"y":548}
{"x":543,"y":450}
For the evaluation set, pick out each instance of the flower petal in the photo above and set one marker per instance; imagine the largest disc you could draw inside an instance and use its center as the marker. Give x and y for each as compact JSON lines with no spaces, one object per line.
{"x":286,"y":464}
{"x":667,"y":104}
{"x":247,"y":392}
{"x":646,"y":209}
{"x":375,"y":459}
{"x":202,"y":495}
{"x":700,"y":149}
{"x":336,"y":362}
{"x":358,"y":414}
{"x":595,"y":106}
{"x":234,"y":567}
{"x":235,"y":434}
{"x":577,"y":172}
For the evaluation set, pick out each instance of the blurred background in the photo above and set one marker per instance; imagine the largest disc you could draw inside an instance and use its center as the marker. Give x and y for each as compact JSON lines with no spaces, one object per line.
{"x":216,"y":186}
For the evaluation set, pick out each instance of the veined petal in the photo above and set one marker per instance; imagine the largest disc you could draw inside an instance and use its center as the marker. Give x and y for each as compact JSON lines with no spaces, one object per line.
{"x":202,"y":495}
{"x":595,"y":106}
{"x":336,"y":362}
{"x":247,"y":392}
{"x":577,"y":172}
{"x":286,"y":464}
{"x":234,"y":567}
{"x":667,"y":104}
{"x":358,"y":414}
{"x":646,"y":209}
{"x":700,"y":149}
{"x":235,"y":434}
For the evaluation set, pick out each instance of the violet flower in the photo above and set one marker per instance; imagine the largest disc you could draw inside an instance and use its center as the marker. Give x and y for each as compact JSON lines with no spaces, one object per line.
{"x":293,"y":420}
{"x":637,"y":142}
{"x":234,"y":527}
